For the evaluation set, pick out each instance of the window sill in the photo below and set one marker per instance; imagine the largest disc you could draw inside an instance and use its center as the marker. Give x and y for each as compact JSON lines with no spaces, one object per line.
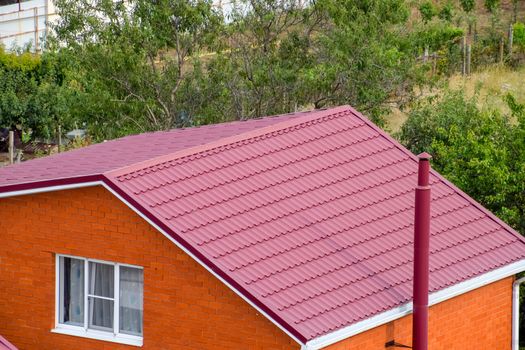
{"x":99,"y":335}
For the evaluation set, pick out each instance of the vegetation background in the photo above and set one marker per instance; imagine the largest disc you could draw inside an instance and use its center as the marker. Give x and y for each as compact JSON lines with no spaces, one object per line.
{"x":115,"y":68}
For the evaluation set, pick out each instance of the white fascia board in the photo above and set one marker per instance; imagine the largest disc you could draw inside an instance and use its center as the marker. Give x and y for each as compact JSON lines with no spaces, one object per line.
{"x":406,"y":309}
{"x":50,"y":189}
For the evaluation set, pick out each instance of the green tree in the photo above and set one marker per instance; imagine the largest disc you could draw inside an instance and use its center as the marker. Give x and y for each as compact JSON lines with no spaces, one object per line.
{"x":447,"y":12}
{"x":468,"y":5}
{"x":519,"y":35}
{"x":427,"y":11}
{"x":270,"y":45}
{"x":33,"y":93}
{"x":136,"y":59}
{"x":479,"y":150}
{"x":492,"y":5}
{"x":369,"y":76}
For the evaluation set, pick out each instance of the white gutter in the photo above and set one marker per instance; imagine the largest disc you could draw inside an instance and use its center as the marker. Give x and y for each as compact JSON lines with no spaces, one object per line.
{"x":516,"y":313}
{"x":356,"y":328}
{"x":50,"y":189}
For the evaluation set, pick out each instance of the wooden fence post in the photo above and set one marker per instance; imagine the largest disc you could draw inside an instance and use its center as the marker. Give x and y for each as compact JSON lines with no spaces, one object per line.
{"x":464,"y":56}
{"x":434,"y":63}
{"x":11,"y":147}
{"x":511,"y":38}
{"x":467,"y":70}
{"x":501,"y":41}
{"x":59,"y":136}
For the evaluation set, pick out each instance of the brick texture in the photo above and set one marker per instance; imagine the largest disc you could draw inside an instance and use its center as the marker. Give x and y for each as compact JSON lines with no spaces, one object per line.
{"x":185,"y":307}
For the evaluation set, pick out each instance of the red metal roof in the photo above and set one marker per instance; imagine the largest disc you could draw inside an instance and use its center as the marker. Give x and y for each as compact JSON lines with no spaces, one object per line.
{"x":100,"y":158}
{"x":311,"y":218}
{"x":5,"y":345}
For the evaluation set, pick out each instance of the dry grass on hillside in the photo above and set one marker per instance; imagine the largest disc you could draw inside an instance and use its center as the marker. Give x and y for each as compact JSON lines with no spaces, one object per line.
{"x":492,"y":84}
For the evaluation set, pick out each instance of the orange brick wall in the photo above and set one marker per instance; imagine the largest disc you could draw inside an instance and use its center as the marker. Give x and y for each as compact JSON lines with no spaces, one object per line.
{"x":478,"y":320}
{"x":185,"y":307}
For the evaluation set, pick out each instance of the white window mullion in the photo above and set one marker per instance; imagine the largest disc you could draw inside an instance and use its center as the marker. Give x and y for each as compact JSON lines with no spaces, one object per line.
{"x":86,"y":282}
{"x":59,"y":291}
{"x":116,"y":303}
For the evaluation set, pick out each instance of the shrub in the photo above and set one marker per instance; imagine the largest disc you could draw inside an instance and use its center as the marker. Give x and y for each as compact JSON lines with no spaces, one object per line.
{"x":427,"y":10}
{"x":519,"y":35}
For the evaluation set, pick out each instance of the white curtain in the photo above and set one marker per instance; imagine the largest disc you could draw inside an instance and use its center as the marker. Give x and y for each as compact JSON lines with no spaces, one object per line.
{"x":72,"y":291}
{"x":131,"y":300}
{"x":101,"y":284}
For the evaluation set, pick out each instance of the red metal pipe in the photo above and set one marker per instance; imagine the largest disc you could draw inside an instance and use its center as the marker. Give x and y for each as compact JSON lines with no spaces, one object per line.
{"x":421,"y":255}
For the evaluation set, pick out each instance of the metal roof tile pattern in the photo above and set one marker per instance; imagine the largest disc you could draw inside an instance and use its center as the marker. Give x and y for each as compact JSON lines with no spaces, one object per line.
{"x":314,"y":219}
{"x":309,"y":216}
{"x":100,"y":158}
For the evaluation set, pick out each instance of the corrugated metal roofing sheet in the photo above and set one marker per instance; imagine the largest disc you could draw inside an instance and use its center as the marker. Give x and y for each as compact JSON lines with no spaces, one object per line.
{"x":311,"y":218}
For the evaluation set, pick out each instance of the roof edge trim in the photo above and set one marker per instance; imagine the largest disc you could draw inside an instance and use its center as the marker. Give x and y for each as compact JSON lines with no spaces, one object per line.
{"x":406,"y":309}
{"x":49,"y":185}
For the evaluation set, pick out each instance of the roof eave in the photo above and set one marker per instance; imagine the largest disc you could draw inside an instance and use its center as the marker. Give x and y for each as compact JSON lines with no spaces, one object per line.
{"x":24,"y":188}
{"x":406,"y":309}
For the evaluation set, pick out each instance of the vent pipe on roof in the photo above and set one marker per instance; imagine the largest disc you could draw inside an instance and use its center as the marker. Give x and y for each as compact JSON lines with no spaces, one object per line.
{"x":421,"y":255}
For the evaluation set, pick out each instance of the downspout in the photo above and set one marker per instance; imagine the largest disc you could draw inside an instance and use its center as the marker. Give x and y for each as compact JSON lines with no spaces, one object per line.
{"x":516,"y":313}
{"x":421,"y":255}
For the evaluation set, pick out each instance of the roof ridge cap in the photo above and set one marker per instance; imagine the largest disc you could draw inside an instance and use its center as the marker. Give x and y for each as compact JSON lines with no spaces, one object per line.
{"x":243,"y":136}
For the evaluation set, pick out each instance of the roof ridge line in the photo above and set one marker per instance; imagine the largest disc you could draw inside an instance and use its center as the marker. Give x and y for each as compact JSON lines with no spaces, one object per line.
{"x":308,"y":117}
{"x":460,"y":192}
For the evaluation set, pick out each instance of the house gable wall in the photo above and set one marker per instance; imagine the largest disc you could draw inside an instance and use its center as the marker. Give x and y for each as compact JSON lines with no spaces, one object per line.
{"x":185,"y":307}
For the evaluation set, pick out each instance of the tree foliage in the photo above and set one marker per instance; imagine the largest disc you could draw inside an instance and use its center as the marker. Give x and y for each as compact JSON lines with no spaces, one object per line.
{"x":467,"y":5}
{"x":136,"y":59}
{"x":427,"y":11}
{"x":34,"y":95}
{"x":447,"y":12}
{"x":479,"y":149}
{"x":164,"y":64}
{"x":492,"y":5}
{"x":519,"y":35}
{"x":134,"y":66}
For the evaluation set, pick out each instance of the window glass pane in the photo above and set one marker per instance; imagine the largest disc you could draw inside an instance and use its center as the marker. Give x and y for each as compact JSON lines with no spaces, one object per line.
{"x":71,"y":292}
{"x":101,"y":280}
{"x":100,"y":314}
{"x":131,"y":300}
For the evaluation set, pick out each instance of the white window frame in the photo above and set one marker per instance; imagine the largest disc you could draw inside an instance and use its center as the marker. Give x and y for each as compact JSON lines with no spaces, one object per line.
{"x":84,"y":331}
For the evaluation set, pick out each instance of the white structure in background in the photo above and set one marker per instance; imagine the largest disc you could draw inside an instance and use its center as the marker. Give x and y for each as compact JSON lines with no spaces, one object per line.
{"x":24,"y":23}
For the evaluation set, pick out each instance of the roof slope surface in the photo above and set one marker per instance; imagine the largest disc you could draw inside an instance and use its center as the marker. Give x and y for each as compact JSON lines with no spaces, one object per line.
{"x":311,"y":218}
{"x":100,"y":158}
